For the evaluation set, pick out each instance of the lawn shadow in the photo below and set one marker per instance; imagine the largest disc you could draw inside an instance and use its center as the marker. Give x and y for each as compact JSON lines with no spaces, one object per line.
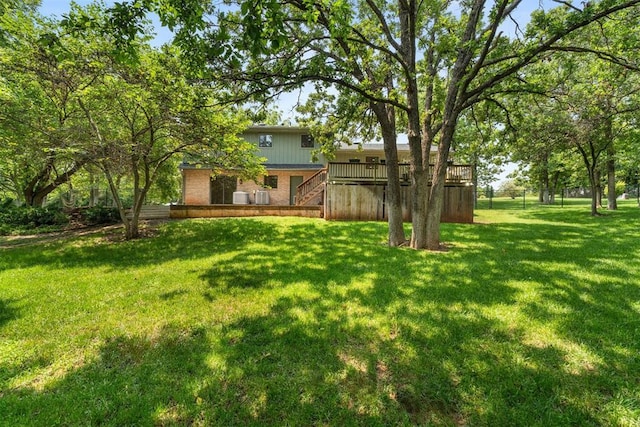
{"x":325,"y":360}
{"x":364,"y":334}
{"x":178,"y":240}
{"x":261,"y":370}
{"x":8,"y":311}
{"x":309,"y":252}
{"x":172,"y":294}
{"x":133,"y":380}
{"x":407,"y":345}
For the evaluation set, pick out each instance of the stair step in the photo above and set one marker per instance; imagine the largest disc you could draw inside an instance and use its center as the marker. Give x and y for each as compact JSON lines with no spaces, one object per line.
{"x":310,"y":195}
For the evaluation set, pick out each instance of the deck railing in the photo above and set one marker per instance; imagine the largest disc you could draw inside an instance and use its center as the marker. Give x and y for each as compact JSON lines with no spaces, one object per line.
{"x":456,"y":174}
{"x":310,"y":184}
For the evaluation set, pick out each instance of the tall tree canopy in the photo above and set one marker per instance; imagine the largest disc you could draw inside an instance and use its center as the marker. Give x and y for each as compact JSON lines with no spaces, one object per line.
{"x":589,"y":87}
{"x":41,"y":137}
{"x":69,"y":100}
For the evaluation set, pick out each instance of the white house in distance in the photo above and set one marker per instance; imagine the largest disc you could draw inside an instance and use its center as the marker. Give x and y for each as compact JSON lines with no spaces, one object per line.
{"x":352,"y":186}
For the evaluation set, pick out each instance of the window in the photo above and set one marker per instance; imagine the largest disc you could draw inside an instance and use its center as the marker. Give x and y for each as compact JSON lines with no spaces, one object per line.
{"x":306,"y":141}
{"x":271,"y":181}
{"x":265,"y":141}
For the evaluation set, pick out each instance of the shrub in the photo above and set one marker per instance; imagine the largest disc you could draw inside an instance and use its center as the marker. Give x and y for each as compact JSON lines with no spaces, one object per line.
{"x":27,"y":218}
{"x":101,"y":215}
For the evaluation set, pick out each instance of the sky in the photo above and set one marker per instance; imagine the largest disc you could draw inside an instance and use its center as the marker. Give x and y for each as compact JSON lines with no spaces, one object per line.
{"x":60,"y":7}
{"x":57,"y":8}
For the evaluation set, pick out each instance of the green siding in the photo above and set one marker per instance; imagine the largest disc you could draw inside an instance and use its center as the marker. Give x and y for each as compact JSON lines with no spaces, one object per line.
{"x":285,"y":149}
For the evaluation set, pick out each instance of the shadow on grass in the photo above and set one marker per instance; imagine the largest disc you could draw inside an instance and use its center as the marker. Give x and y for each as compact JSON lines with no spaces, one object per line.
{"x":439,"y":359}
{"x":352,"y":332}
{"x":179,"y":240}
{"x":8,"y":311}
{"x":134,"y":380}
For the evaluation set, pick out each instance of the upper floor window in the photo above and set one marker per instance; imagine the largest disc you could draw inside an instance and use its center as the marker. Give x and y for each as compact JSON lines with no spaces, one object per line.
{"x":265,"y":141}
{"x":306,"y":141}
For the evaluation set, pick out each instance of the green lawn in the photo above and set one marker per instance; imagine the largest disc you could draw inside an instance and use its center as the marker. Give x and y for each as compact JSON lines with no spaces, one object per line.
{"x":531,"y":318}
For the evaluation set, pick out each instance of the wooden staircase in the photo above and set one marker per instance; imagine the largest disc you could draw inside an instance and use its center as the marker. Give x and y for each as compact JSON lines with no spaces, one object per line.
{"x":311,"y":188}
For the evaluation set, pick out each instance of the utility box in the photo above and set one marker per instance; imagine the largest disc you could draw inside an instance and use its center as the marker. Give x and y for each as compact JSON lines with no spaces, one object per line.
{"x":240,"y":198}
{"x":262,"y":197}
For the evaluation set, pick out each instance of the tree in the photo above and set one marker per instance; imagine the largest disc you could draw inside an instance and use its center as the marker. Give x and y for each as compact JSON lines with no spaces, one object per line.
{"x":540,"y":129}
{"x":510,"y":188}
{"x":590,"y":96}
{"x":144,"y":114}
{"x":41,"y":136}
{"x":127,"y":115}
{"x":14,"y":16}
{"x":480,"y":141}
{"x":435,"y":62}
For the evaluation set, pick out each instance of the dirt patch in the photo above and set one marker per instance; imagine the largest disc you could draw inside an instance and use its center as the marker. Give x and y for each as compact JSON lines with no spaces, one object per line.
{"x":112,"y":233}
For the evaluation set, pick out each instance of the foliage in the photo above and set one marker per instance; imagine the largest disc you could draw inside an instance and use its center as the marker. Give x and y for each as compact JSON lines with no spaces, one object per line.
{"x":74,"y":97}
{"x":42,"y":139}
{"x":581,"y":129}
{"x":509,"y":188}
{"x":481,"y":141}
{"x":14,"y":15}
{"x":521,"y":322}
{"x":99,"y":214}
{"x":14,"y":219}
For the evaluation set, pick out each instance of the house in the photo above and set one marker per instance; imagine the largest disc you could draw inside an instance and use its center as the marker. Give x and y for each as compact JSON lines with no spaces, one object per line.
{"x":288,"y":151}
{"x":351,"y":187}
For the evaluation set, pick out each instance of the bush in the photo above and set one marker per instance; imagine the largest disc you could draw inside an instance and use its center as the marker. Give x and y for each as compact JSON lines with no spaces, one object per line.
{"x":510,"y":189}
{"x":101,"y":215}
{"x":26,"y":218}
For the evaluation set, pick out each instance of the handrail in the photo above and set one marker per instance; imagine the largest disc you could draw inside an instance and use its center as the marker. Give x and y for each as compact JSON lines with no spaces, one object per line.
{"x":311,"y":184}
{"x":456,"y":174}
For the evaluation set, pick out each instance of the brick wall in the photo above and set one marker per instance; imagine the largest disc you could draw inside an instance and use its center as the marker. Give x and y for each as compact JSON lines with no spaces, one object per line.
{"x":277,"y":196}
{"x":196,"y":186}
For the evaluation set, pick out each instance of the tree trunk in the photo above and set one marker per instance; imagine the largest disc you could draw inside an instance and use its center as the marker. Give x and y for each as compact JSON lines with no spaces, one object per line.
{"x":34,"y":197}
{"x":474,"y":179}
{"x":594,"y":179}
{"x":386,"y":119}
{"x":598,"y":187}
{"x":419,"y":176}
{"x":453,"y":104}
{"x":544,"y":181}
{"x":37,"y":190}
{"x":612,"y":203}
{"x":419,"y":206}
{"x":130,"y":229}
{"x":394,"y":195}
{"x":554,"y":187}
{"x":439,"y":175}
{"x":419,"y":183}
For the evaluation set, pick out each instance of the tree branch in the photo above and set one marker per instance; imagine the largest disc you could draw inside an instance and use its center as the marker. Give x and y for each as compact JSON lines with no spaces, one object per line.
{"x":527,"y":57}
{"x":606,"y":56}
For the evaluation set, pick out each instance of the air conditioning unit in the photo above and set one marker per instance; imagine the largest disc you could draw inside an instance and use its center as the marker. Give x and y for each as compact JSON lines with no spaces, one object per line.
{"x":262,"y":197}
{"x":240,"y":198}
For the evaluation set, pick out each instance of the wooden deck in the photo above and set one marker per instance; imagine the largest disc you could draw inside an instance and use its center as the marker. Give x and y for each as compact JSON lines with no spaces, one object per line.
{"x":223,"y":211}
{"x":377,"y":172}
{"x":358,"y":191}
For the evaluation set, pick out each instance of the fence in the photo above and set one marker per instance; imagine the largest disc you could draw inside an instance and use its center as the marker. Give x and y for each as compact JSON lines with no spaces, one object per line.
{"x":488,"y":198}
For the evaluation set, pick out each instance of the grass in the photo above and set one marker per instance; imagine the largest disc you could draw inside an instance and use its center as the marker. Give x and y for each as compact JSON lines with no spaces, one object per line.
{"x":531,"y":318}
